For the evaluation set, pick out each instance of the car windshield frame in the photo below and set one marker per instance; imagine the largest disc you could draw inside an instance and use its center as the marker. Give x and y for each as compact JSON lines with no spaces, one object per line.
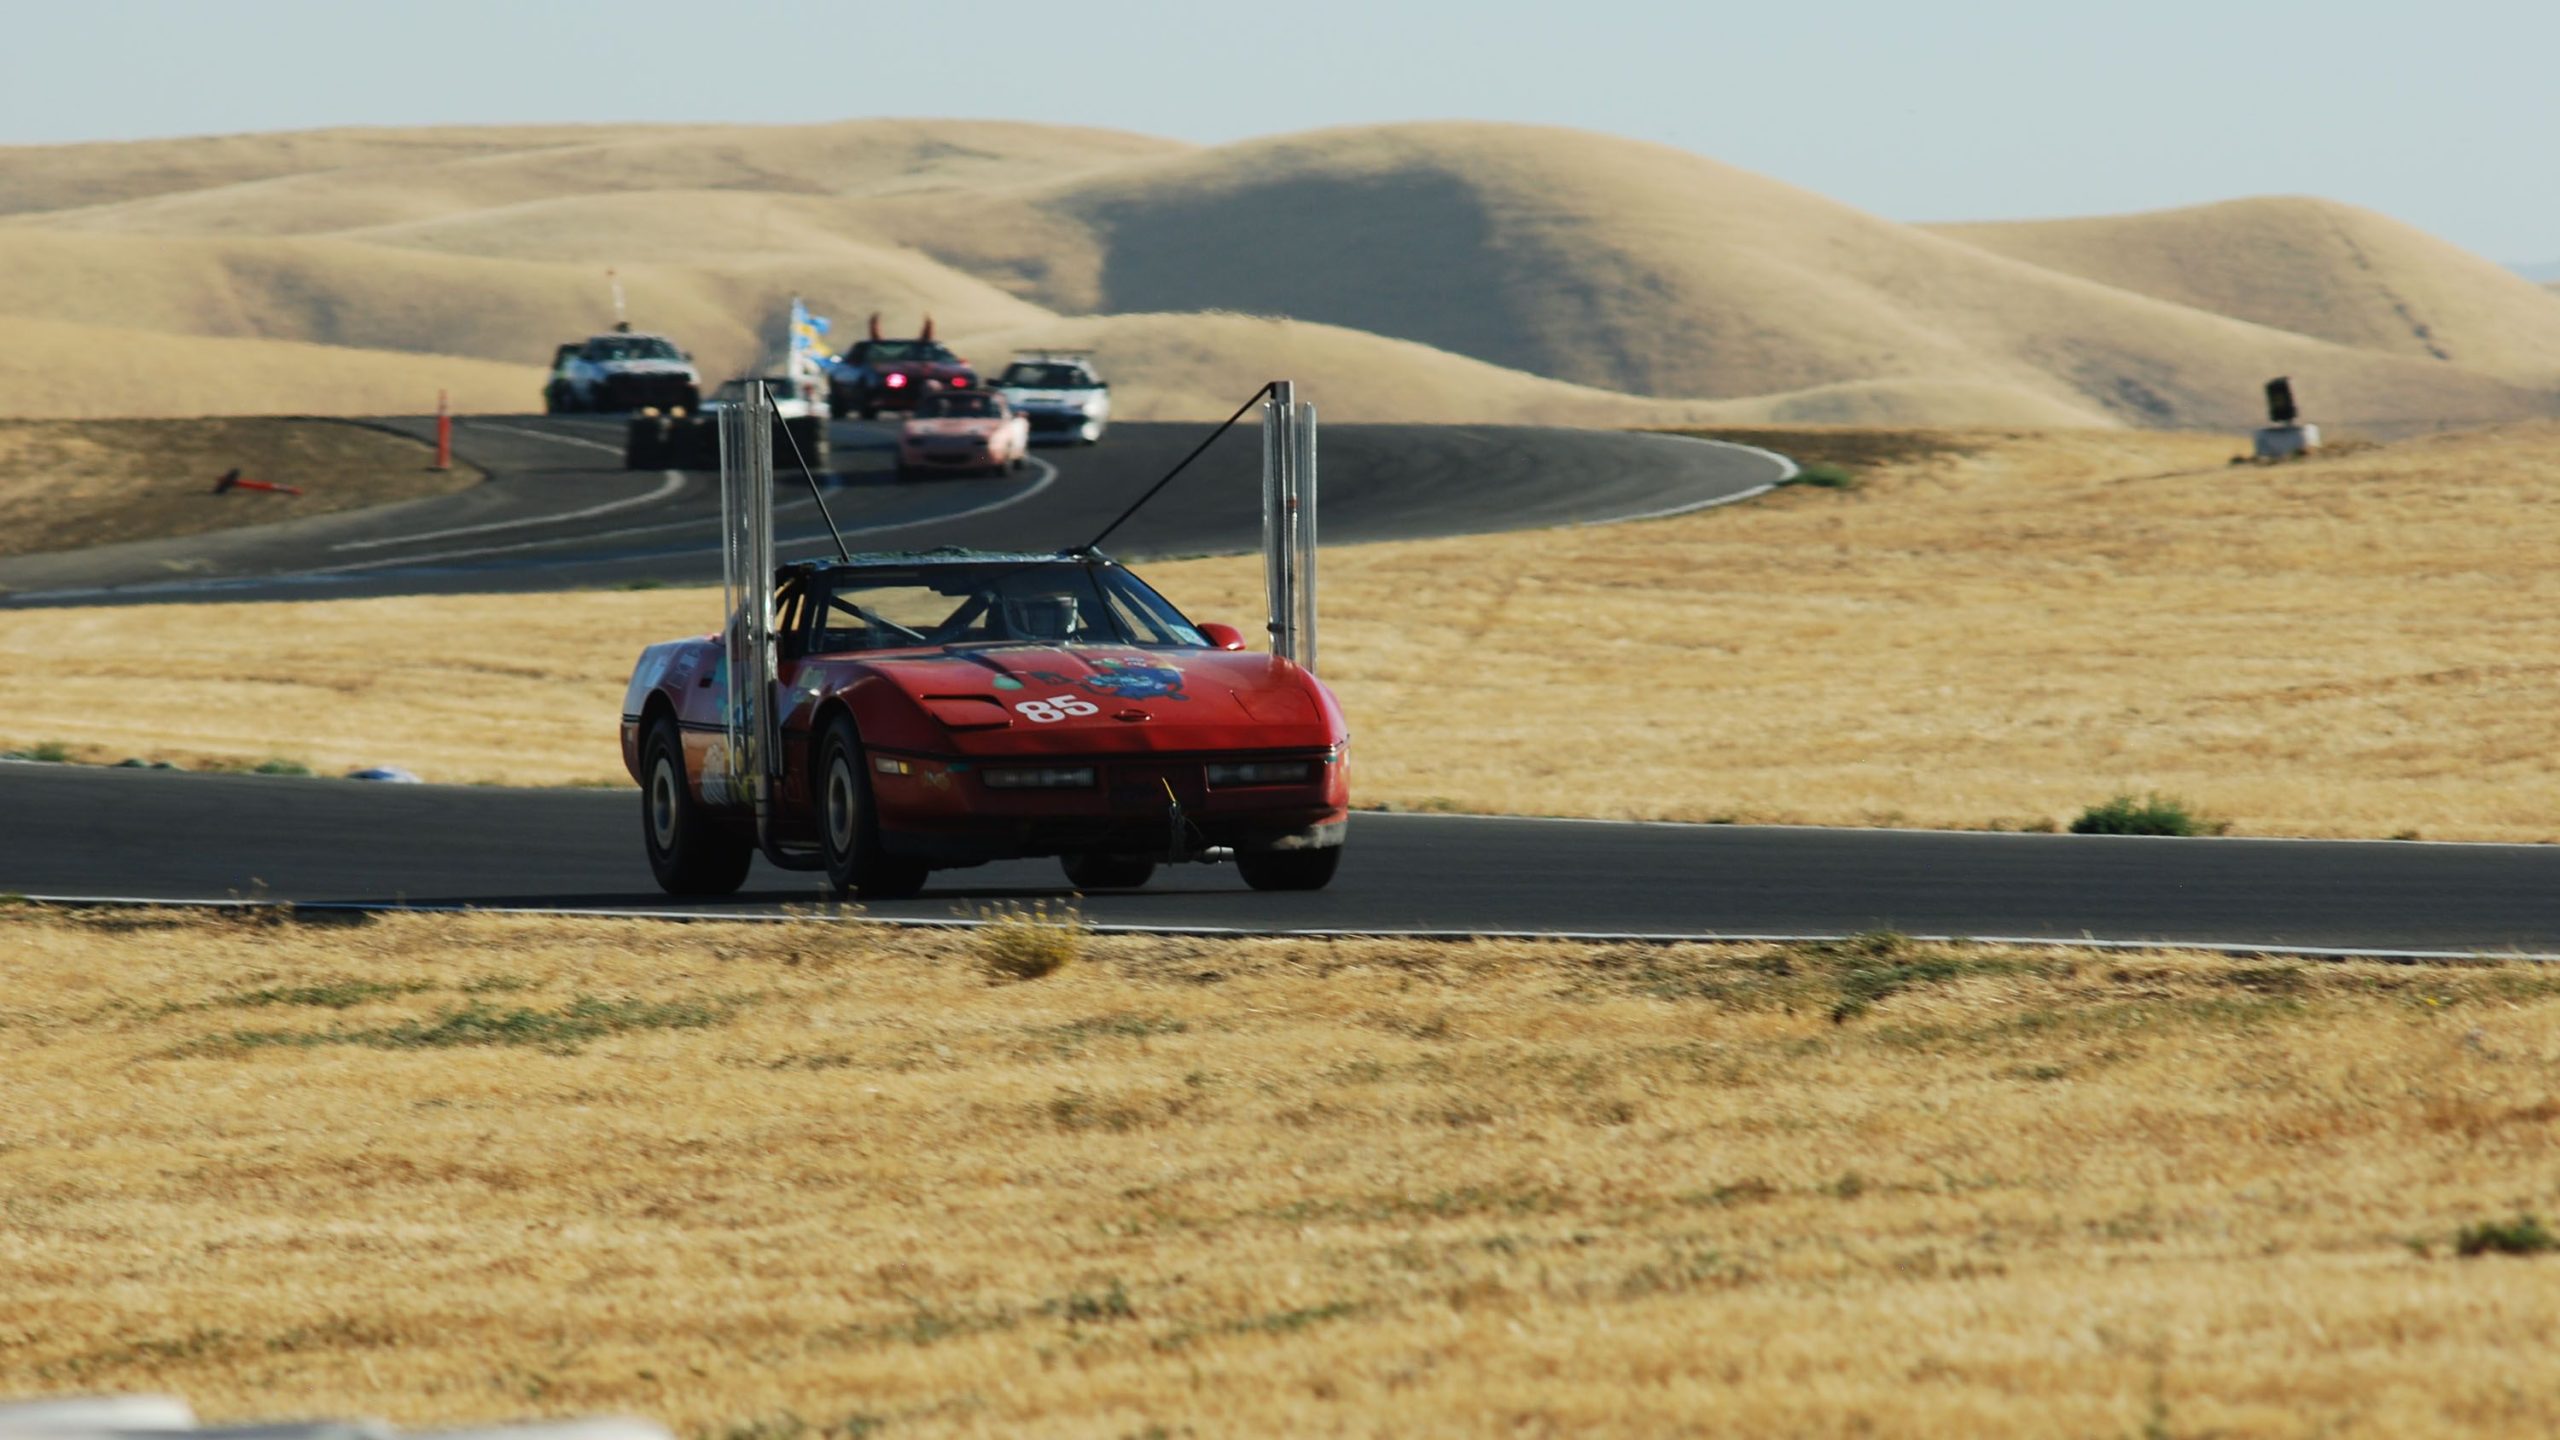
{"x":908,"y":352}
{"x":973,"y":405}
{"x":608,"y":348}
{"x":962,"y":606}
{"x":1079,"y":377}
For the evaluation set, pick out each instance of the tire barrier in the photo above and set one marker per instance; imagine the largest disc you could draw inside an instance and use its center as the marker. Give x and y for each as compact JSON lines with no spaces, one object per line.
{"x":692,"y":442}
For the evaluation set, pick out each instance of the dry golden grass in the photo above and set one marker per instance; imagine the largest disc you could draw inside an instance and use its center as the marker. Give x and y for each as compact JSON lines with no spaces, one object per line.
{"x":65,"y":370}
{"x":1996,"y":630}
{"x":2314,"y":267}
{"x":799,"y":1179}
{"x":1473,"y":271}
{"x":65,"y":484}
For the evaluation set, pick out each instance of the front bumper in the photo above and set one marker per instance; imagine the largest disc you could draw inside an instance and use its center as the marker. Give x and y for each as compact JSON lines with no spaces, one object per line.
{"x":643,"y":392}
{"x":1061,"y":422}
{"x":942,"y":810}
{"x":975,"y":457}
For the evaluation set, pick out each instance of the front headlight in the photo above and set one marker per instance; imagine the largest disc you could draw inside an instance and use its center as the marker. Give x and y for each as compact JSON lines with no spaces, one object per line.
{"x":1056,"y":777}
{"x":1261,"y":772}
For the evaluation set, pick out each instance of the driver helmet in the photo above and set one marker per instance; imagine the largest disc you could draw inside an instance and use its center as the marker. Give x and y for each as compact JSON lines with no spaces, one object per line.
{"x":1041,"y":617}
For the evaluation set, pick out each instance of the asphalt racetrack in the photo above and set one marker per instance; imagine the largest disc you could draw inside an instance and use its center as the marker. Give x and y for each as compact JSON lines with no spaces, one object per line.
{"x":78,"y":832}
{"x":560,"y":513}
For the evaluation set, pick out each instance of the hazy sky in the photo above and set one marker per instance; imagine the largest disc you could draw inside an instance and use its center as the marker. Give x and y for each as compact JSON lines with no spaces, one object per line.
{"x":2445,"y":115}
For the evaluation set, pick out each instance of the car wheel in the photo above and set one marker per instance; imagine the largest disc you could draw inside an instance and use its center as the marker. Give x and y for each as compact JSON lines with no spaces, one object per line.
{"x":1102,"y":870}
{"x":849,"y":827}
{"x":1288,"y":869}
{"x":690,"y":852}
{"x":870,"y":411}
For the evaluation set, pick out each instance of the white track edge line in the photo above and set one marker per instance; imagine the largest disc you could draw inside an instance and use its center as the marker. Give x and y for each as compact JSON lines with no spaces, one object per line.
{"x":1048,"y":477}
{"x":1787,"y":470}
{"x":673,"y":482}
{"x":824,"y":910}
{"x":551,"y":435}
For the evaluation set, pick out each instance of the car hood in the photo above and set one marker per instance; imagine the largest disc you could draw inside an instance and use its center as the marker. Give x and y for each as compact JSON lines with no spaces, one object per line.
{"x":645,"y":367}
{"x":1046,"y":397}
{"x":1067,"y":699}
{"x":958,"y":426}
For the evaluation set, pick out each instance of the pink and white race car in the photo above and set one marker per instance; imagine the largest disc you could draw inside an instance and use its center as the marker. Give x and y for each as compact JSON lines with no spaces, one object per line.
{"x":962,"y":432}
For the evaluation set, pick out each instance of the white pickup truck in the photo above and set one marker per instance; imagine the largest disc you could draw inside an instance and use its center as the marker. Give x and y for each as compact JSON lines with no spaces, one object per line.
{"x":621,"y":372}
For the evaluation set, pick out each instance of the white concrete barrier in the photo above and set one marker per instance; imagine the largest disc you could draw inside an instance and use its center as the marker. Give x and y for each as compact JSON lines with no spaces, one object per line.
{"x":165,"y":1417}
{"x":286,"y":1430}
{"x":94,"y":1412}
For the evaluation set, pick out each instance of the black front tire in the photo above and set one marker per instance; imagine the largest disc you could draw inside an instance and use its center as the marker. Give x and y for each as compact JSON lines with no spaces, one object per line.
{"x":690,"y":851}
{"x":849,"y":826}
{"x":1102,"y":870}
{"x":1288,"y":869}
{"x":645,"y":445}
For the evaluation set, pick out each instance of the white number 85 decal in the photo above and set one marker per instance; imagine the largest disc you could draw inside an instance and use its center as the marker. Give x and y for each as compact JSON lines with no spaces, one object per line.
{"x":1056,"y":707}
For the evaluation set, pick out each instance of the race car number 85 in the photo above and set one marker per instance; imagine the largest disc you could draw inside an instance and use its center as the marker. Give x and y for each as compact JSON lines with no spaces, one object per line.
{"x":1056,"y":707}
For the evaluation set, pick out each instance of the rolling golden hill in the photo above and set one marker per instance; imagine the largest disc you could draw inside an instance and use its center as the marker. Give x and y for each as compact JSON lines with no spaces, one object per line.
{"x":2314,"y":267}
{"x":1447,"y":271}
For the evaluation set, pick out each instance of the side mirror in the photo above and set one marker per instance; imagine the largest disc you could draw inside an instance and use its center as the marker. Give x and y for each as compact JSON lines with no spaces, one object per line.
{"x":1225,"y":637}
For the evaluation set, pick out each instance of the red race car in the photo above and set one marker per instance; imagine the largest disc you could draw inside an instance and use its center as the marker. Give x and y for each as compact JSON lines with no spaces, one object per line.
{"x":948,"y":708}
{"x":963,"y":432}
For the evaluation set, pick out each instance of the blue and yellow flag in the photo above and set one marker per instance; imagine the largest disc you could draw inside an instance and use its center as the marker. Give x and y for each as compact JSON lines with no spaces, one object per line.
{"x":808,"y":332}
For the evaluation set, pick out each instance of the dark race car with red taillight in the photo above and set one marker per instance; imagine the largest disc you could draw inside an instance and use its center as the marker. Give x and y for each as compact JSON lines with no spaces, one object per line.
{"x":879,"y":374}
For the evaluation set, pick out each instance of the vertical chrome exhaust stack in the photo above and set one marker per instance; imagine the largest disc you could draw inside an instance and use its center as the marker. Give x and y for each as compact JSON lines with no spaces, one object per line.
{"x":1289,"y":522}
{"x":746,"y":561}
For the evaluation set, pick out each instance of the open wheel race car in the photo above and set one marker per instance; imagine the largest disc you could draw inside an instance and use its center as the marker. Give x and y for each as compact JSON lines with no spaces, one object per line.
{"x":882,"y":716}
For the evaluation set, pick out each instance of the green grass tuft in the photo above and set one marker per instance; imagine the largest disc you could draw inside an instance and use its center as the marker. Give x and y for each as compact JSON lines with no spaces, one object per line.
{"x":1823,"y":476}
{"x":2149,"y":815}
{"x":2524,"y":1235}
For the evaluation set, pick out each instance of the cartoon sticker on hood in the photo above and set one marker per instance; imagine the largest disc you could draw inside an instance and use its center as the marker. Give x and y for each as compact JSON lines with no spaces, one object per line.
{"x":1121,"y":679}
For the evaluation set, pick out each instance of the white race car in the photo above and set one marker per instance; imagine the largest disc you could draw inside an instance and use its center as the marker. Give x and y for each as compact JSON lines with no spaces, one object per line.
{"x":793,"y":399}
{"x":1060,"y":393}
{"x":621,"y":372}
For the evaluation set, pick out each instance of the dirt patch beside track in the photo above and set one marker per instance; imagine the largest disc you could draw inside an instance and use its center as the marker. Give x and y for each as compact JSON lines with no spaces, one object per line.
{"x":68,"y":484}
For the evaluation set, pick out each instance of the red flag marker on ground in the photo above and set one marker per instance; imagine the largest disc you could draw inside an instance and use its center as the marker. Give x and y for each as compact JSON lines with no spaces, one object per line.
{"x":444,"y":432}
{"x":232,"y":479}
